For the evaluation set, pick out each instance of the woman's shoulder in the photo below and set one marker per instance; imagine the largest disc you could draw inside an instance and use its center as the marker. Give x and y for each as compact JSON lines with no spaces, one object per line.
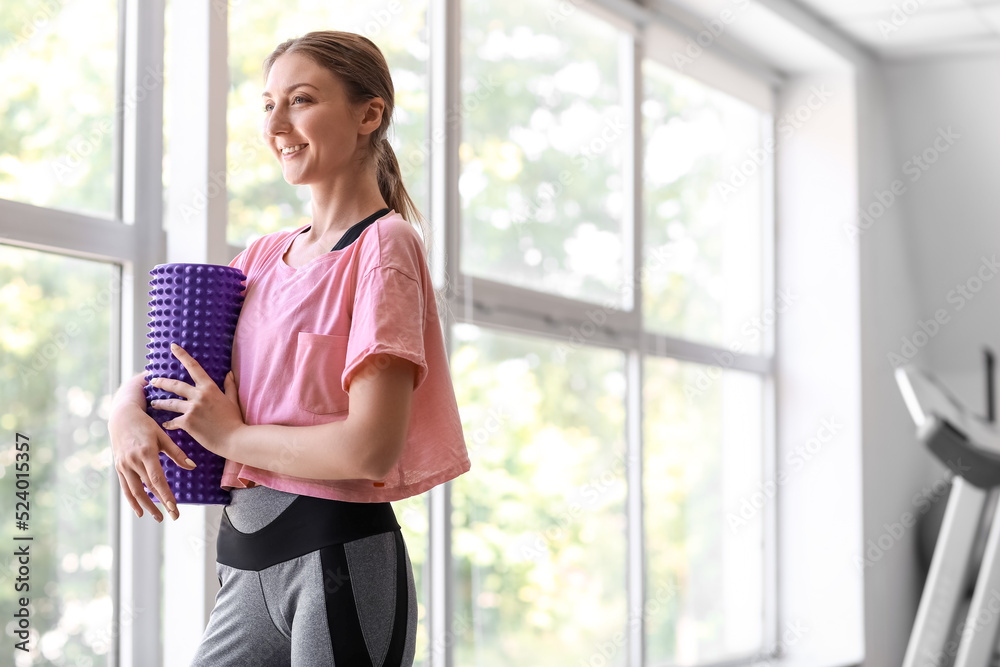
{"x":393,"y":227}
{"x":392,"y":241}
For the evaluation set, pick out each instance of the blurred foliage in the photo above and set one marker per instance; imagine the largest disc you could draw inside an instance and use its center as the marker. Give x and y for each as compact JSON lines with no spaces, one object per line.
{"x":543,"y":139}
{"x":411,"y":514}
{"x":55,"y":338}
{"x":696,"y":563}
{"x":703,"y":244}
{"x":55,"y":327}
{"x":539,"y":521}
{"x":49,"y":158}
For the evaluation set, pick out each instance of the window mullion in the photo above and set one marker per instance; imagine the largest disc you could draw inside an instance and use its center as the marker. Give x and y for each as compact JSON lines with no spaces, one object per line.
{"x":118,"y":131}
{"x":140,"y":103}
{"x":66,"y":232}
{"x":636,"y":567}
{"x":518,"y":309}
{"x":630,"y":60}
{"x":197,"y":215}
{"x":444,"y":22}
{"x":770,"y":462}
{"x":662,"y":345}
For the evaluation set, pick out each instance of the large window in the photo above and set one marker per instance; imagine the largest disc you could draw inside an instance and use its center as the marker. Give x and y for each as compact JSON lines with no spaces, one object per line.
{"x":540,"y":545}
{"x":606,"y":294}
{"x":59,"y":146}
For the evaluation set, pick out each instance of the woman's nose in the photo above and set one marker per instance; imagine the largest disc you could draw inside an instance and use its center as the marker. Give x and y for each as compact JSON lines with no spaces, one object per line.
{"x":277,"y":121}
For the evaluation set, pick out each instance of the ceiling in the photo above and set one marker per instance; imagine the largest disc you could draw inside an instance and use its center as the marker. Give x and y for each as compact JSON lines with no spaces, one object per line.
{"x":898,"y":29}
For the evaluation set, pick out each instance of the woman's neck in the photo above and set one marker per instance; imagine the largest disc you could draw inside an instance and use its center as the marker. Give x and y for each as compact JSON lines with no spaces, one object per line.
{"x":337,"y":208}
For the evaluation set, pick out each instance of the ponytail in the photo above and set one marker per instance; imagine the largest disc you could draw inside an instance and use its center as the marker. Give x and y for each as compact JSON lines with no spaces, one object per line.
{"x":390,"y":184}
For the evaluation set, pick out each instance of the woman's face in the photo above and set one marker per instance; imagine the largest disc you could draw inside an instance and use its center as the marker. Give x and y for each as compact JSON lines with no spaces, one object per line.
{"x":305,"y":107}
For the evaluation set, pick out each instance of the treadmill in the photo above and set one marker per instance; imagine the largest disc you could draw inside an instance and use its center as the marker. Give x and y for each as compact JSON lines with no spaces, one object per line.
{"x":945,"y":634}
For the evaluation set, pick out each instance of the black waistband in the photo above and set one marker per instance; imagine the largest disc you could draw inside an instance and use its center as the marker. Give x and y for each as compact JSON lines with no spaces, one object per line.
{"x":306,"y":525}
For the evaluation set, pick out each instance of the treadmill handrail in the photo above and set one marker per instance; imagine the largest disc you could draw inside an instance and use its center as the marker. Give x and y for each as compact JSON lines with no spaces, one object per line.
{"x":926,"y":398}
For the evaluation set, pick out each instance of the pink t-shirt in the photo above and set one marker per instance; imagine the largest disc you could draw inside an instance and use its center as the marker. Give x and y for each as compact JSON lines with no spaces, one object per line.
{"x":303,"y":333}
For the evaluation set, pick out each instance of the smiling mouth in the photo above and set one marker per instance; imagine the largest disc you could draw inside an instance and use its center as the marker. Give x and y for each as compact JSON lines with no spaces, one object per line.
{"x":292,"y":150}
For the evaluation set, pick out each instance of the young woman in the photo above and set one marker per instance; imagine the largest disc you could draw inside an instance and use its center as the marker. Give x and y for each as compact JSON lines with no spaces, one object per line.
{"x":340,"y":399}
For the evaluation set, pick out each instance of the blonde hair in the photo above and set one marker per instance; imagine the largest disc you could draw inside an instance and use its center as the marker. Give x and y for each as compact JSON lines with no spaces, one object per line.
{"x":359,"y":64}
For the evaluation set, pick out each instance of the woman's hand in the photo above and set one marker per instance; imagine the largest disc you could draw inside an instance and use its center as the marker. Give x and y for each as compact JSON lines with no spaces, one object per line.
{"x":136,"y":441}
{"x":208,"y":415}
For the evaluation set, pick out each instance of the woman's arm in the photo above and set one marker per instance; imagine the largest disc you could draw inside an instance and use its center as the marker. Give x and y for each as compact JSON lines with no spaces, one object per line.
{"x":366,"y":445}
{"x":136,"y":441}
{"x":130,"y":393}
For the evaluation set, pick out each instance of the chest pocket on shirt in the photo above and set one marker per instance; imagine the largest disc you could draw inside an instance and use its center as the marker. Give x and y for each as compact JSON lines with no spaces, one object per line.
{"x":319,"y":364}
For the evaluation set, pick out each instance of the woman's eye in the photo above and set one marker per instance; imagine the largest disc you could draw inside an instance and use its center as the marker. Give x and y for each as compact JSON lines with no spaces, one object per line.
{"x":267,"y":107}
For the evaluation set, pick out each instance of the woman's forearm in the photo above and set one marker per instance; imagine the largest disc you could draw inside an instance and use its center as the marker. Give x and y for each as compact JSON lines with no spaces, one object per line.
{"x":324,"y":451}
{"x":366,"y":445}
{"x":130,"y":393}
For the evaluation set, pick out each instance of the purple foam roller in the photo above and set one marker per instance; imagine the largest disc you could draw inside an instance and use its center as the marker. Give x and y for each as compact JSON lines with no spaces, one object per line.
{"x":195,"y":306}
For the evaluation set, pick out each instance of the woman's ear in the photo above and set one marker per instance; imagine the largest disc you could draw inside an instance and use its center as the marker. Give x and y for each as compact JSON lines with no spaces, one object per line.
{"x":371,"y":118}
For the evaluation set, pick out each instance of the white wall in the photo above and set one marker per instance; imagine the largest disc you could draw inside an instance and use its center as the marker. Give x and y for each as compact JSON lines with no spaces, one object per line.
{"x":894,"y":465}
{"x":952,"y":211}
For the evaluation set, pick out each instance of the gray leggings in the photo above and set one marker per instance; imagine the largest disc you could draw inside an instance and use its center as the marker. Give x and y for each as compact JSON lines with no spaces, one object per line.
{"x":340,"y":604}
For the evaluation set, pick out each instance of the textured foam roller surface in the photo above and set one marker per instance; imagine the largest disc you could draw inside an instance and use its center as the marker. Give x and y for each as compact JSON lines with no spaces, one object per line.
{"x":196,"y":306}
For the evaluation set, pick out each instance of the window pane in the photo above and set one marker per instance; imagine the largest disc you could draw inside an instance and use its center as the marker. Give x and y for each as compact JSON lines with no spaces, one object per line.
{"x":702,"y":474}
{"x":543,"y":134}
{"x":412,"y":517}
{"x":539,"y":521}
{"x":56,"y":140}
{"x":260,"y":201}
{"x":55,"y":326}
{"x":704,"y":178}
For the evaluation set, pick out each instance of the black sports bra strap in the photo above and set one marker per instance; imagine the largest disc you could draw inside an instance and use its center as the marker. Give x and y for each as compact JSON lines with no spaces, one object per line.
{"x":352,"y":234}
